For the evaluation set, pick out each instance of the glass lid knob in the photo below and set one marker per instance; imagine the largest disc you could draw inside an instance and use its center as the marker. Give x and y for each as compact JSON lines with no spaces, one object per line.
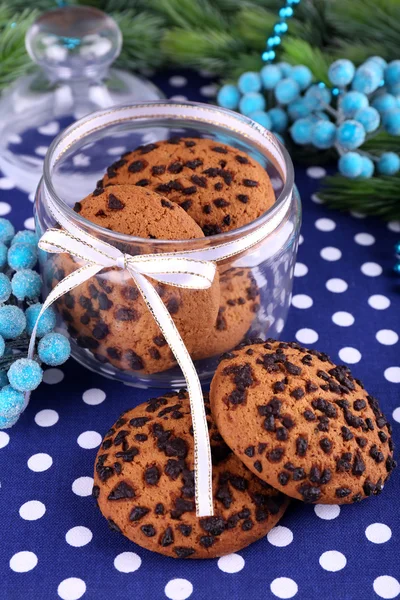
{"x":74,"y":42}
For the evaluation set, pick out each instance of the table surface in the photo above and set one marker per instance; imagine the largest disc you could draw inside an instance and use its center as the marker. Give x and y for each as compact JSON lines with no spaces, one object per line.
{"x":56,"y":544}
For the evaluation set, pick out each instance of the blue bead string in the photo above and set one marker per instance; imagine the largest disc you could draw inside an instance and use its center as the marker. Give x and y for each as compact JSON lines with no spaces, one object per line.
{"x":279,"y":29}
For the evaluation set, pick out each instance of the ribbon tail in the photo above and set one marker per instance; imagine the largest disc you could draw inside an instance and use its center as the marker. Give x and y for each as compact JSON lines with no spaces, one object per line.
{"x":202,"y":450}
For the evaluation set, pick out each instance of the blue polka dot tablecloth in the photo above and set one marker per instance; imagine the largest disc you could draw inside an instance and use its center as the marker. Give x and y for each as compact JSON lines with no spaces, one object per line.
{"x":55,"y":543}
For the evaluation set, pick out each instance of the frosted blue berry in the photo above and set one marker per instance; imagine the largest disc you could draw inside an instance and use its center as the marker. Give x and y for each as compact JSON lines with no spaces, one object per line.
{"x":317,"y":96}
{"x":3,"y":255}
{"x":323,"y":134}
{"x":270,"y":75}
{"x":11,"y":402}
{"x":367,"y":169}
{"x":7,"y":231}
{"x":251,"y":102}
{"x":392,"y":73}
{"x":302,"y":75}
{"x":395,"y":90}
{"x":54,"y":349}
{"x":381,"y":62}
{"x":384,"y":102}
{"x":301,"y":131}
{"x":261,"y":117}
{"x":47,"y":320}
{"x":391,"y":121}
{"x":350,"y":135}
{"x":22,"y":256}
{"x":5,"y":288}
{"x":285,"y":68}
{"x":26,"y":284}
{"x":350,"y":164}
{"x":367,"y":78}
{"x":389,"y":163}
{"x":25,"y":375}
{"x":298,"y":109}
{"x":249,"y":82}
{"x":25,"y":237}
{"x":368,"y":117}
{"x":228,"y":96}
{"x":286,"y":90}
{"x":351,"y":102}
{"x":279,"y":119}
{"x":341,"y":72}
{"x":7,"y":422}
{"x":12,"y":322}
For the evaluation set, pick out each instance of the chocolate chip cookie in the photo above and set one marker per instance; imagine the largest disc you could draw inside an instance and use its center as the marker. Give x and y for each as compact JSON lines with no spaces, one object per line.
{"x":220,"y":187}
{"x":144,"y":485}
{"x":302,"y":424}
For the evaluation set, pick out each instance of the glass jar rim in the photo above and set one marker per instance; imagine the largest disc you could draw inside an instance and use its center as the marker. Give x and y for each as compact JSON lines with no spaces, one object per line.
{"x":286,"y":168}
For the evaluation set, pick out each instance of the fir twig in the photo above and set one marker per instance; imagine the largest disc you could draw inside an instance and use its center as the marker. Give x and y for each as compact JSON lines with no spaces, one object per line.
{"x":14,"y":61}
{"x":141,"y":33}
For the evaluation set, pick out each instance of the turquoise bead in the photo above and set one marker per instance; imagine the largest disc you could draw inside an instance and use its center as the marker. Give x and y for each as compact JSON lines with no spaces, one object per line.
{"x":397,"y":249}
{"x":301,"y":131}
{"x":350,"y":165}
{"x":302,"y":75}
{"x":391,"y":121}
{"x":279,"y":119}
{"x":350,"y":135}
{"x":7,"y":231}
{"x":12,"y":321}
{"x":368,"y":117}
{"x":381,"y":62}
{"x":22,"y":256}
{"x":367,"y":169}
{"x":367,"y":78}
{"x":262,"y":118}
{"x":25,"y":375}
{"x":11,"y":402}
{"x":384,"y":102}
{"x":298,"y":109}
{"x":323,"y":134}
{"x":54,"y":349}
{"x":286,"y":90}
{"x":251,"y":102}
{"x":341,"y":72}
{"x":47,"y":320}
{"x":270,"y":75}
{"x":317,"y":97}
{"x":285,"y":68}
{"x":3,"y":255}
{"x":351,"y":102}
{"x":26,"y":237}
{"x":249,"y":82}
{"x":228,"y":96}
{"x":5,"y":288}
{"x":396,"y":268}
{"x":389,"y":163}
{"x":392,"y":73}
{"x":7,"y":422}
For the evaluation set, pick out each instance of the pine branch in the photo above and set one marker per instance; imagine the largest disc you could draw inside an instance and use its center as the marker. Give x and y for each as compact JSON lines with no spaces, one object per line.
{"x":376,"y":196}
{"x":14,"y":61}
{"x":296,"y":51}
{"x":190,"y":13}
{"x":383,"y":142}
{"x":141,"y":34}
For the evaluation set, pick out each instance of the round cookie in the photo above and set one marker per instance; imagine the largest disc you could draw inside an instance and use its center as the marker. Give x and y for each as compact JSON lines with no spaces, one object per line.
{"x":107,"y":314}
{"x":219,"y":186}
{"x":240,"y":299}
{"x":144,"y":485}
{"x":324,"y":439}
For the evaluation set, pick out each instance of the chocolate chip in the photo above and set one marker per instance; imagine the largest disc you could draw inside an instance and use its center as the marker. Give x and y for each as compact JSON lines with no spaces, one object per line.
{"x":183,"y":552}
{"x":158,"y":170}
{"x":342,"y":492}
{"x":298,"y":474}
{"x":134,"y":360}
{"x":218,"y":186}
{"x":310,"y":493}
{"x":152,"y":475}
{"x":189,"y":143}
{"x":221,"y":203}
{"x":141,"y":437}
{"x":346,"y":434}
{"x":258,"y":466}
{"x":326,"y":445}
{"x":249,"y":451}
{"x":250,"y":183}
{"x":207,"y":209}
{"x":213,"y":525}
{"x":275,"y":455}
{"x":301,"y":446}
{"x":297,"y":393}
{"x":142,"y":182}
{"x":125,"y":314}
{"x":309,"y":415}
{"x":219,"y":149}
{"x":114,"y":203}
{"x":211,"y":229}
{"x":174,"y":468}
{"x":138,"y":513}
{"x":175,"y":167}
{"x":113,"y":526}
{"x":242,"y":159}
{"x":185,"y":530}
{"x":148,"y":530}
{"x":358,"y":464}
{"x":283,"y":478}
{"x":282,"y":434}
{"x":148,"y":148}
{"x":376,"y":454}
{"x":167,"y":538}
{"x":193,"y":164}
{"x":291,"y":368}
{"x":137,"y":166}
{"x":189,"y":191}
{"x":227,"y":220}
{"x":77,"y":207}
{"x":139,"y":421}
{"x":121,"y":492}
{"x":361,"y":441}
{"x":247,"y":525}
{"x":186,"y":204}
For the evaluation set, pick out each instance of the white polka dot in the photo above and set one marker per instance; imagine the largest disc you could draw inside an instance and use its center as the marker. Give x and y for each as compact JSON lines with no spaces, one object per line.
{"x":315,"y":198}
{"x":387,"y":337}
{"x":82,"y":486}
{"x":32,"y":510}
{"x":46,"y":417}
{"x":396,"y":414}
{"x":337,"y":286}
{"x":343,"y":318}
{"x":78,"y":536}
{"x":302,"y":301}
{"x":332,"y":560}
{"x":209,"y":91}
{"x":300,"y":270}
{"x":178,"y":98}
{"x":14,"y":138}
{"x":378,"y":533}
{"x":327,"y":511}
{"x":371,"y":269}
{"x":364,"y":239}
{"x":350,"y":355}
{"x":232,"y":563}
{"x":127,"y":562}
{"x":301,"y":239}
{"x":386,"y":587}
{"x":31,"y":197}
{"x":394,"y":226}
{"x":51,"y":128}
{"x":81,"y":160}
{"x":40,"y":462}
{"x":41,"y":150}
{"x":177,"y":81}
{"x":5,"y":208}
{"x":6,"y":183}
{"x":93,"y":396}
{"x":284,"y":587}
{"x":316,"y":172}
{"x":89,"y":440}
{"x":325,"y":225}
{"x":117,"y":151}
{"x":280,"y":324}
{"x":53,"y":376}
{"x":29,"y":223}
{"x":4,"y":439}
{"x":72,"y":588}
{"x":306,"y":336}
{"x":330,"y":253}
{"x":357,"y":215}
{"x":378,"y":302}
{"x":280,"y":536}
{"x":392,"y":374}
{"x":23,"y":561}
{"x":178,"y":589}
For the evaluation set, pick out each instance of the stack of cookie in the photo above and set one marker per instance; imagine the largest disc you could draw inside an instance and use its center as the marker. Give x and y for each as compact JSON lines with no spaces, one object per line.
{"x":283,"y":422}
{"x":176,"y":189}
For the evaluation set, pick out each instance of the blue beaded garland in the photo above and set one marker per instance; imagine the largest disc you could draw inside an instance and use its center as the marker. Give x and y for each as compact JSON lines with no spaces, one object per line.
{"x":286,"y":90}
{"x":323,"y":134}
{"x":251,"y":102}
{"x":11,"y":402}
{"x":7,"y":231}
{"x":249,"y":82}
{"x":25,"y":375}
{"x":22,"y":256}
{"x":47,"y":320}
{"x":341,"y":72}
{"x":350,"y":135}
{"x":26,"y":284}
{"x":350,"y":164}
{"x":228,"y":97}
{"x":279,"y":119}
{"x":54,"y":349}
{"x":5,"y":288}
{"x":368,"y":117}
{"x":391,"y":121}
{"x":389,"y":163}
{"x":12,"y":321}
{"x":351,"y":102}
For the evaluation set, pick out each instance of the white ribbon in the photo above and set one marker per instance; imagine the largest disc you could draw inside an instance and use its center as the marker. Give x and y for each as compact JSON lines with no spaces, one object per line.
{"x":192,"y":269}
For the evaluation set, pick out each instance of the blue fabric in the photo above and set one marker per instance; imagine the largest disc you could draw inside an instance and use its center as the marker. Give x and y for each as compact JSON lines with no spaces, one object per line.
{"x":264,"y":563}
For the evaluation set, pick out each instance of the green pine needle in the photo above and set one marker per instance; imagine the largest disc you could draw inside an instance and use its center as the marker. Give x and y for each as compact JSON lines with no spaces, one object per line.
{"x":296,"y":51}
{"x":141,"y":33}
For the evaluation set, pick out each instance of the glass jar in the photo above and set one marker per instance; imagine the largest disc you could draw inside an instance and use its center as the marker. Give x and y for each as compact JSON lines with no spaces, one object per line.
{"x":111,"y":330}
